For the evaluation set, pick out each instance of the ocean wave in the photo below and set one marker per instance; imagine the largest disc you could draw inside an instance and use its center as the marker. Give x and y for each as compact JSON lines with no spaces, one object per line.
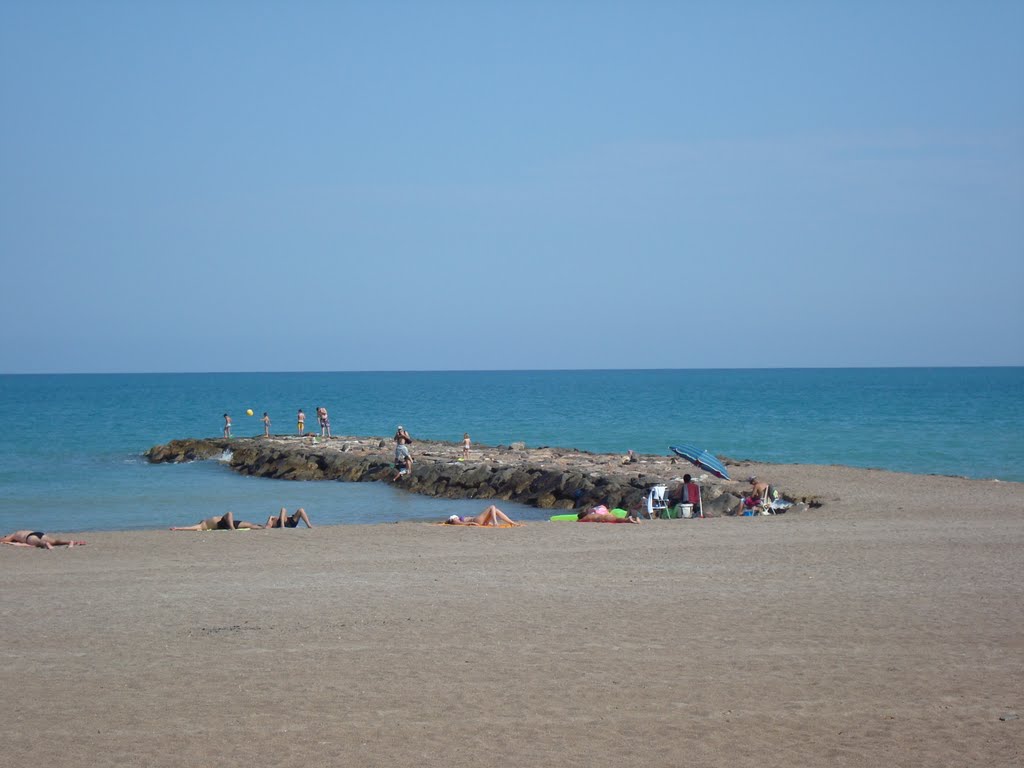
{"x":226,"y":455}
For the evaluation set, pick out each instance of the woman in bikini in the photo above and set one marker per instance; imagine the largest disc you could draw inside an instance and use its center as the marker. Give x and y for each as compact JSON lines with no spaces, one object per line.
{"x":601,"y":514}
{"x":37,"y":539}
{"x":284,"y":520}
{"x":490,"y":516}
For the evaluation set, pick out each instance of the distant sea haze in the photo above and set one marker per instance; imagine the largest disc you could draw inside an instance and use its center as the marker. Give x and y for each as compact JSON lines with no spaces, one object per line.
{"x":72,"y":443}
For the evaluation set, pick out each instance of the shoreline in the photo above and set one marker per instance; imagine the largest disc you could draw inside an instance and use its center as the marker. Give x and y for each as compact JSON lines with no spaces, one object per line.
{"x":547,"y":478}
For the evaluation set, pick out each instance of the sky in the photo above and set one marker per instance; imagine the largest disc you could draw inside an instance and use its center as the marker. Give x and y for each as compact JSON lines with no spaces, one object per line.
{"x":291,"y":186}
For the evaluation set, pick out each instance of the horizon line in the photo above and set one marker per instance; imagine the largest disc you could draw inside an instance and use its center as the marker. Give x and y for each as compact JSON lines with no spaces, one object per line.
{"x":519,"y":370}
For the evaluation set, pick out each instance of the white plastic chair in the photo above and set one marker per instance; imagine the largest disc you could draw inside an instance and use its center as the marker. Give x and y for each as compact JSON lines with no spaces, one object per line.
{"x":771,"y":505}
{"x":656,"y":501}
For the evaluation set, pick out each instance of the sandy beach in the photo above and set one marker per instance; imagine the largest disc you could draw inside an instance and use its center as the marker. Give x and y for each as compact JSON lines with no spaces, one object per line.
{"x":885,"y":628}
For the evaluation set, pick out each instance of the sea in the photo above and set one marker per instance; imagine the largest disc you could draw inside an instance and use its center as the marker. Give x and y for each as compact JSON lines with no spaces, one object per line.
{"x":71,"y":445}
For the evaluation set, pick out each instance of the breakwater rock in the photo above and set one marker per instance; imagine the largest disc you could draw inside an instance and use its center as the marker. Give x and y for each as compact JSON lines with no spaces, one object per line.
{"x":548,"y":478}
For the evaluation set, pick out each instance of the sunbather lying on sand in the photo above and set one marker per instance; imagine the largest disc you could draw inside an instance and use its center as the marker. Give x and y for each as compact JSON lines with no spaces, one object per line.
{"x":284,"y":520}
{"x":601,"y":514}
{"x":490,"y":516}
{"x":225,"y":522}
{"x":37,"y":539}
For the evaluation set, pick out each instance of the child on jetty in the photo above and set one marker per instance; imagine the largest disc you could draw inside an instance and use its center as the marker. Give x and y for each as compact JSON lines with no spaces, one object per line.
{"x":465,"y":445}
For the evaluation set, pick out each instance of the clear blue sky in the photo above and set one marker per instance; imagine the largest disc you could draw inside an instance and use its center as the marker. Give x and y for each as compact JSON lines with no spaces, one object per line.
{"x":224,"y":186}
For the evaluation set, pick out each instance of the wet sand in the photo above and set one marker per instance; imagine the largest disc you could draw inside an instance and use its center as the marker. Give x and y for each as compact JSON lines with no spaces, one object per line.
{"x":886,"y":628}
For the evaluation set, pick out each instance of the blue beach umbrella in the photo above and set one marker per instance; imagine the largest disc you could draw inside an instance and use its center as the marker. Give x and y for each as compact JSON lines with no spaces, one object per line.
{"x":702,"y":459}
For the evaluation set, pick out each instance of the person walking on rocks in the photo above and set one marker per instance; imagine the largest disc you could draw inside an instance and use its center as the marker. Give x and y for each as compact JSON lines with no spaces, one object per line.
{"x":302,"y":423}
{"x":403,"y":459}
{"x":227,"y":426}
{"x":266,"y":424}
{"x":466,"y":442}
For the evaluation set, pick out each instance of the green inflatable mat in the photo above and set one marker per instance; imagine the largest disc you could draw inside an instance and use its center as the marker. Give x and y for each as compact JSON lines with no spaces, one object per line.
{"x":572,"y":515}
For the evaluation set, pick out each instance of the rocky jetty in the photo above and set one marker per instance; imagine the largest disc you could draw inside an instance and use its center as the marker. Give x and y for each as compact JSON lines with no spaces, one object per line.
{"x":548,"y":478}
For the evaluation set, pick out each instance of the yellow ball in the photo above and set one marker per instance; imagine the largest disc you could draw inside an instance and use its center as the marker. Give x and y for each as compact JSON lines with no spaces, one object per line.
{"x":249,"y":412}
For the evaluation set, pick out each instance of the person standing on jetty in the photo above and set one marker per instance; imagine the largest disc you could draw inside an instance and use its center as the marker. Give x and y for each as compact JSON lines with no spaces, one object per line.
{"x":403,"y":459}
{"x":227,"y":426}
{"x":466,"y":442}
{"x":325,"y":423}
{"x":302,"y":423}
{"x":266,"y":424}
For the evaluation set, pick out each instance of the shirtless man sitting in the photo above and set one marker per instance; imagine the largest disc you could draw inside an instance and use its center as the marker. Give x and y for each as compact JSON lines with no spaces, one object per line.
{"x":760,"y":492}
{"x":37,"y":539}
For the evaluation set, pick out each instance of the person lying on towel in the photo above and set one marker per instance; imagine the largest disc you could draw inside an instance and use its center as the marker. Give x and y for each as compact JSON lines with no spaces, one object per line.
{"x":601,"y":514}
{"x":490,"y":516}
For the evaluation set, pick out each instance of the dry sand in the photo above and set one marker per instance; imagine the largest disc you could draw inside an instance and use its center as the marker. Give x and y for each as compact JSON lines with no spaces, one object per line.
{"x":885,"y":629}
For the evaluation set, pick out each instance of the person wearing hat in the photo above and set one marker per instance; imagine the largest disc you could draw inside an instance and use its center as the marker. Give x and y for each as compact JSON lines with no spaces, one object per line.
{"x":759,"y":488}
{"x":760,"y":492}
{"x":403,"y":459}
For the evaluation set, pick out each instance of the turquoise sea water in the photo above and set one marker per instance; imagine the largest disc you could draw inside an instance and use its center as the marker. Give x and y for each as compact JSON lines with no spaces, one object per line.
{"x":71,"y":444}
